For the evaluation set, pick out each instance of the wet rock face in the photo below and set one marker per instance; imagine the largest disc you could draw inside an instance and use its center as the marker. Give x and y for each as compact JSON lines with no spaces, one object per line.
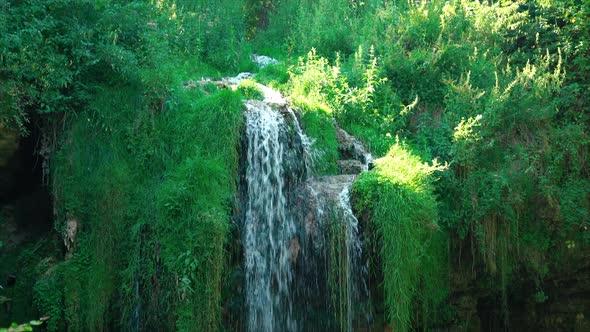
{"x":70,"y":236}
{"x":561,"y":302}
{"x":328,"y":246}
{"x":351,"y":148}
{"x":566,"y":306}
{"x":350,"y":167}
{"x":315,"y":201}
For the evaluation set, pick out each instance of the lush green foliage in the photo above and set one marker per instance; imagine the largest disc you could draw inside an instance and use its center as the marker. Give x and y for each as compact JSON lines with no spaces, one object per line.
{"x":57,"y":53}
{"x":27,"y":264}
{"x":146,"y":166}
{"x":54,"y":52}
{"x":275,"y":76}
{"x":323,"y":93}
{"x":398,"y":196}
{"x":494,"y":89}
{"x":154,"y":205}
{"x":136,"y":160}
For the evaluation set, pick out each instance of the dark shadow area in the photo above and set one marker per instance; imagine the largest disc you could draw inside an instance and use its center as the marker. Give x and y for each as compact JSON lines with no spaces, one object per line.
{"x":25,"y":200}
{"x":26,"y":220}
{"x":489,"y":310}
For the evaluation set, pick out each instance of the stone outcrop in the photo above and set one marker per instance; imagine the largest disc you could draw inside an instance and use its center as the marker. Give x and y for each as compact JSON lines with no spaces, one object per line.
{"x":350,"y":166}
{"x":351,"y":148}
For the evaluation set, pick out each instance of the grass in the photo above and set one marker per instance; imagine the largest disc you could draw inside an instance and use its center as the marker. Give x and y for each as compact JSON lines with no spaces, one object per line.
{"x":398,"y":196}
{"x":249,"y":90}
{"x":319,"y":125}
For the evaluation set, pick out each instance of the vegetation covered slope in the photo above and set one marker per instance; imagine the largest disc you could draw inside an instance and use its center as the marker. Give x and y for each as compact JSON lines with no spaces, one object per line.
{"x":143,"y":168}
{"x":398,"y":197}
{"x":146,"y":169}
{"x":496,"y":90}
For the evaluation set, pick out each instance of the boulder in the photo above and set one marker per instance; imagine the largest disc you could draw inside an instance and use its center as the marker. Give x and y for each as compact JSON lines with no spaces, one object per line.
{"x":352,"y":148}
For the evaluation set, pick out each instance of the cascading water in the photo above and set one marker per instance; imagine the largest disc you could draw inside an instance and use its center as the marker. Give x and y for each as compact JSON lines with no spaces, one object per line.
{"x":269,"y":226}
{"x":356,"y":272}
{"x":330,"y":279}
{"x":295,"y":231}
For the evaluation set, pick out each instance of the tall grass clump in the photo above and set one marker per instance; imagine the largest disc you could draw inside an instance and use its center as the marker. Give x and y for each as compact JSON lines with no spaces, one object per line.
{"x":398,"y":196}
{"x":274,"y":75}
{"x":194,"y":203}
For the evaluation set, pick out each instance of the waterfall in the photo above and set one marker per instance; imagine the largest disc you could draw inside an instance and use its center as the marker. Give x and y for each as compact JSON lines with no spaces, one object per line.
{"x":272,"y":167}
{"x":291,"y":226}
{"x":356,"y":271}
{"x":331,"y":275}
